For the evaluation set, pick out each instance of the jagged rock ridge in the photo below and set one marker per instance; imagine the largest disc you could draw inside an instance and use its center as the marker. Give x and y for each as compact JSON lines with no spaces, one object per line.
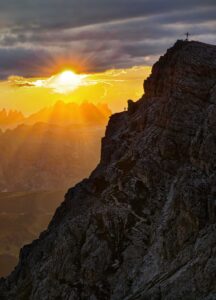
{"x":143,"y":225}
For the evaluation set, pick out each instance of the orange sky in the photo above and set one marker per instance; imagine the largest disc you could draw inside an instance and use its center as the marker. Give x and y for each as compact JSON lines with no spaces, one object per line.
{"x":113,"y":87}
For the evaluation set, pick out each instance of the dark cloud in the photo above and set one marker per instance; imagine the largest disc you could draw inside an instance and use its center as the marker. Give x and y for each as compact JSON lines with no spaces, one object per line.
{"x":75,"y":13}
{"x":22,"y":61}
{"x":101,"y":34}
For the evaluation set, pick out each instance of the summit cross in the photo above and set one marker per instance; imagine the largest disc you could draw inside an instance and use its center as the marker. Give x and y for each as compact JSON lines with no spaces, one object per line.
{"x":187,"y":34}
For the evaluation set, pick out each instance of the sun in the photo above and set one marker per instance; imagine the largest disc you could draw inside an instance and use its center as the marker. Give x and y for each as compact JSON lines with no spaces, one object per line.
{"x":62,"y":83}
{"x":68,"y":77}
{"x":67,"y":81}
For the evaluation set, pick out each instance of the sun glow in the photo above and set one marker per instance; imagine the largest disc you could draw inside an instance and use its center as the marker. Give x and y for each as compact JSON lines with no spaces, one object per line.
{"x":112,"y":86}
{"x":69,"y":79}
{"x":66,"y":81}
{"x":62,"y":83}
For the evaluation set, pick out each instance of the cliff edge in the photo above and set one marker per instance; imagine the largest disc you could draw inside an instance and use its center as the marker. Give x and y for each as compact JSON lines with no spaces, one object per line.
{"x":143,"y":225}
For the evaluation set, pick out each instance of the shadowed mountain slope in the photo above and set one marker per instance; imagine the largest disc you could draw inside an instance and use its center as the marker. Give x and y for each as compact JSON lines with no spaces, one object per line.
{"x":143,"y":225}
{"x":23,"y":215}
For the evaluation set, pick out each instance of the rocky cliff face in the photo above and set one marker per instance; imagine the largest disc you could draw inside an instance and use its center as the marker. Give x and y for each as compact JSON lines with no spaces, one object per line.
{"x":143,"y":225}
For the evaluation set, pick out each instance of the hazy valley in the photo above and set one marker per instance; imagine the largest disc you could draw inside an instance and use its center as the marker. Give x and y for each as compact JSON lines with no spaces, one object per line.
{"x":40,"y":158}
{"x":23,"y":215}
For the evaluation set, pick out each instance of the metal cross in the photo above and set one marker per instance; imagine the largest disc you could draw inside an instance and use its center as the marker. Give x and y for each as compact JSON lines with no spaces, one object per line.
{"x":187,"y":36}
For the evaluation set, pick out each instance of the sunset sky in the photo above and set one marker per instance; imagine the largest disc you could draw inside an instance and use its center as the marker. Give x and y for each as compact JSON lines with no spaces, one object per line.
{"x":113,"y":87}
{"x":108,"y":43}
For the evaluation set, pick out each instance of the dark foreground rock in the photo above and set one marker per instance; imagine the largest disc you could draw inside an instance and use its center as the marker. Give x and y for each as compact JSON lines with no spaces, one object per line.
{"x":143,"y":225}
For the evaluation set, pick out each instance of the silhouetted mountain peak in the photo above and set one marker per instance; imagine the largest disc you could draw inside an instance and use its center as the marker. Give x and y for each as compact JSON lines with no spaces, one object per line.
{"x":72,"y":113}
{"x":187,"y":65}
{"x":10,"y":117}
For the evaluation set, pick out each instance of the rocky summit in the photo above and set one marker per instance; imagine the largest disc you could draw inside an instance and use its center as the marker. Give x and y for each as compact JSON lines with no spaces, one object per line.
{"x":143,"y":225}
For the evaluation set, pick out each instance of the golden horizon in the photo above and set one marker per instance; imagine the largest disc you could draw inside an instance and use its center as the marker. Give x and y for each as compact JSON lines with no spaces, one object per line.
{"x":113,"y":87}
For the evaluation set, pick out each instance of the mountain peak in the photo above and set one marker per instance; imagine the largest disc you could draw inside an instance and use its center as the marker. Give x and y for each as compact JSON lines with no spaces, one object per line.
{"x":187,"y":67}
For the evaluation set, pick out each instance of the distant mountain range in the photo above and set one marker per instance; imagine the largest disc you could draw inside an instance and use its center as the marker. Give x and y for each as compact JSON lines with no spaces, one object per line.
{"x":10,"y":118}
{"x":31,"y":154}
{"x":72,"y":113}
{"x":60,"y":113}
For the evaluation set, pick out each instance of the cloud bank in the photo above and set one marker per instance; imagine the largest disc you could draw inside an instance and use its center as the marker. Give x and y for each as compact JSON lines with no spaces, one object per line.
{"x":39,"y":37}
